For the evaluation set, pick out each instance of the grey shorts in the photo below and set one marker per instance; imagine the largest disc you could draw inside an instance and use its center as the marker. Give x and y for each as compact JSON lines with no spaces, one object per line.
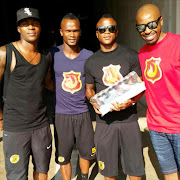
{"x":119,"y":141}
{"x":18,"y":146}
{"x":70,"y":130}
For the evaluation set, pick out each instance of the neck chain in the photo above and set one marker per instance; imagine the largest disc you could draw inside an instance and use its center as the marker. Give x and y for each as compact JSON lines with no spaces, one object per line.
{"x":23,"y":53}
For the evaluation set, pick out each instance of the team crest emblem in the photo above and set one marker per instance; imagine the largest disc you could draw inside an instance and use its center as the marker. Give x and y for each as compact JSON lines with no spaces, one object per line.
{"x":111,"y":75}
{"x":152,"y":70}
{"x":14,"y":158}
{"x":101,"y":165}
{"x":71,"y":82}
{"x":61,"y":159}
{"x":93,"y":151}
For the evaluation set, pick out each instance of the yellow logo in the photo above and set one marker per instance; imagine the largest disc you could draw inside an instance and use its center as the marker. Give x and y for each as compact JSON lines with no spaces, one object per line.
{"x":152,"y":70}
{"x":71,"y":82}
{"x":93,"y":151}
{"x":111,"y":75}
{"x":14,"y":158}
{"x":61,"y":159}
{"x":101,"y":165}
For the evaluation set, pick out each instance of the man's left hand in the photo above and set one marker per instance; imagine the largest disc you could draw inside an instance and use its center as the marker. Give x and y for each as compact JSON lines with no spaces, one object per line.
{"x":118,"y":107}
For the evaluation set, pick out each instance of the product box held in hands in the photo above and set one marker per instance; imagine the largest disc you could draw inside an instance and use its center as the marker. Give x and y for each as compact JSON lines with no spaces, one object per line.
{"x":129,"y":87}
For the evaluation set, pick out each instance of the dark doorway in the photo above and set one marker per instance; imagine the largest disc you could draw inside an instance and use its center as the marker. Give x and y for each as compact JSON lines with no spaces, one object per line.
{"x":51,"y":13}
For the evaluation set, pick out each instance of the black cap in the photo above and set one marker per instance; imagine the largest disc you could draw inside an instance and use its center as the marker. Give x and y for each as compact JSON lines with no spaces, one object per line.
{"x":25,"y":13}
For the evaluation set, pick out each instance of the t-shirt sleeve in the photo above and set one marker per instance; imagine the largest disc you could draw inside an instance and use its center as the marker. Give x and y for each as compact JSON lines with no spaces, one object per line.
{"x":89,"y":79}
{"x":135,"y":63}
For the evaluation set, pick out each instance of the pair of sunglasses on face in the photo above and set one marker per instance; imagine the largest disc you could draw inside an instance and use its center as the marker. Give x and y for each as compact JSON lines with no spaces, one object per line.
{"x":102,"y":29}
{"x":140,"y":28}
{"x":151,"y":25}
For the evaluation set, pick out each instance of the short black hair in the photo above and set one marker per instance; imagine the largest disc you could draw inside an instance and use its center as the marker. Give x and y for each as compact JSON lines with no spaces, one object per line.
{"x":71,"y":16}
{"x":106,"y":16}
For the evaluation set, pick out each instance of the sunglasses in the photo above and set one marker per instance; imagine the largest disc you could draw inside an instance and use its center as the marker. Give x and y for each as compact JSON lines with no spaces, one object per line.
{"x":102,"y":29}
{"x":151,"y":25}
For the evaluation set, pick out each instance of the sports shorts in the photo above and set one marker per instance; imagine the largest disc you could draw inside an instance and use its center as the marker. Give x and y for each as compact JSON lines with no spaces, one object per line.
{"x":18,"y":146}
{"x":167,"y":147}
{"x":119,"y":141}
{"x":70,"y":130}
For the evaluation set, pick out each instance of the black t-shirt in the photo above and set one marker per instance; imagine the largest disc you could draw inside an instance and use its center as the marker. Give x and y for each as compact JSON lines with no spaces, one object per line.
{"x":106,"y":68}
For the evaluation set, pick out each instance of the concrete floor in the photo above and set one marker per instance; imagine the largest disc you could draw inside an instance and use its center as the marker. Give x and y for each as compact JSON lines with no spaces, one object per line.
{"x":151,"y":163}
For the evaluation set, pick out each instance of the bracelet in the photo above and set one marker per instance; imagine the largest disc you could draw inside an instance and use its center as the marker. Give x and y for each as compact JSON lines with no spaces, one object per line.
{"x":1,"y":119}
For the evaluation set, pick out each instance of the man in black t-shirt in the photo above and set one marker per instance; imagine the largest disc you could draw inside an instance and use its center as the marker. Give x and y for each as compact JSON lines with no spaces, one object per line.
{"x":117,"y":133}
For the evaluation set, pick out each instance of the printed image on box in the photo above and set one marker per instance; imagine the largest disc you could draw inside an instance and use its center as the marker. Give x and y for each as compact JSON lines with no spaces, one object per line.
{"x":129,"y":87}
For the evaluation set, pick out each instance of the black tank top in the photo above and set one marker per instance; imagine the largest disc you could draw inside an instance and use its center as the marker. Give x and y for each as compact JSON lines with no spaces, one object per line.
{"x":24,"y":106}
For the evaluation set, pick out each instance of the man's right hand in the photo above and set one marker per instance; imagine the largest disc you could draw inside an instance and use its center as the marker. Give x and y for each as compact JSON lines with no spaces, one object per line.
{"x":95,"y":108}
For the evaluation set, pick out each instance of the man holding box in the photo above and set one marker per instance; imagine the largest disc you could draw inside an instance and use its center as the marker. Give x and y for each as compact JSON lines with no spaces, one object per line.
{"x":117,"y":133}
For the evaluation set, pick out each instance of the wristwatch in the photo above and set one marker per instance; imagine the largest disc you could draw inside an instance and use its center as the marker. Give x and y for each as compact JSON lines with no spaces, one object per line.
{"x":134,"y":102}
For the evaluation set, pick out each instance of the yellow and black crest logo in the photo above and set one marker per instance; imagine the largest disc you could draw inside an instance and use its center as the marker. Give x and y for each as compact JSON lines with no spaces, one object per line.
{"x":93,"y":151}
{"x":14,"y":159}
{"x":61,"y":159}
{"x":101,"y":165}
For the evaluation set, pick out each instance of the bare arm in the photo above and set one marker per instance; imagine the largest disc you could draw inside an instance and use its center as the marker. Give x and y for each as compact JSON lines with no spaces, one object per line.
{"x":49,"y":84}
{"x":2,"y":68}
{"x":89,"y":93}
{"x":90,"y":90}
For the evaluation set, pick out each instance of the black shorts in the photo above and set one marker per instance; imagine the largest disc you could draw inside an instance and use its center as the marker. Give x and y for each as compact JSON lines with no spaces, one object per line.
{"x":119,"y":141}
{"x":18,"y":146}
{"x":70,"y":130}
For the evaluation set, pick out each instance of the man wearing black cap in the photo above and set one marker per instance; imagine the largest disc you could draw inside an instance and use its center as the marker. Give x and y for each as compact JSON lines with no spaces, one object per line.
{"x":26,"y":72}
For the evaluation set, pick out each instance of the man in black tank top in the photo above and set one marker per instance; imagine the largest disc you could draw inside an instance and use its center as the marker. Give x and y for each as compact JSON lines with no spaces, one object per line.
{"x":26,"y":73}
